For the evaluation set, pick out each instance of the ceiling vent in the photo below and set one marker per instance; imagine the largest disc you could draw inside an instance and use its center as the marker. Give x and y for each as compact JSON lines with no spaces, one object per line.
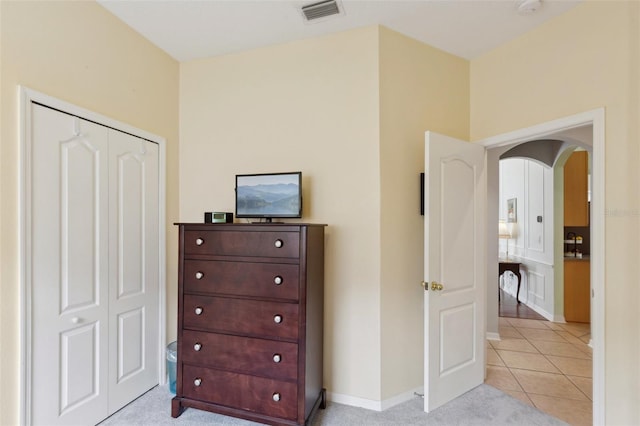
{"x":528,"y":7}
{"x":321,"y":9}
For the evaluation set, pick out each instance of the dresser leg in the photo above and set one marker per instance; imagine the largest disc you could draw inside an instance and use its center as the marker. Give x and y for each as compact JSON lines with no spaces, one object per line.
{"x":176,"y":407}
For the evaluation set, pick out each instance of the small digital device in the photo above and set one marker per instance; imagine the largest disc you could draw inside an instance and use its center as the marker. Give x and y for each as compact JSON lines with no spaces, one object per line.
{"x":218,"y":217}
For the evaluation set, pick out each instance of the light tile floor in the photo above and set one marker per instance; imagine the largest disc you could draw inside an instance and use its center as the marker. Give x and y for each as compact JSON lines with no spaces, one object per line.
{"x":545,"y":364}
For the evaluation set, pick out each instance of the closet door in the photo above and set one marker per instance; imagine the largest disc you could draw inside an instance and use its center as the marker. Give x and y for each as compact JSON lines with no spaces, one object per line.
{"x":94,"y":269}
{"x":69,"y":267}
{"x":134,"y":264}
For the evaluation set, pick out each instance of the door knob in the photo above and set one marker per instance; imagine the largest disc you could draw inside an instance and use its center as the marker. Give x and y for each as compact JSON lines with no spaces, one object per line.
{"x":424,"y":285}
{"x":436,"y":286}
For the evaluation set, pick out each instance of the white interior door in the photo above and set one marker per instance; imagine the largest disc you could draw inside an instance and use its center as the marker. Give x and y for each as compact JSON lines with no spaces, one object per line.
{"x":134,"y":254}
{"x":69,"y":269}
{"x":455,"y":209}
{"x":95,"y":256}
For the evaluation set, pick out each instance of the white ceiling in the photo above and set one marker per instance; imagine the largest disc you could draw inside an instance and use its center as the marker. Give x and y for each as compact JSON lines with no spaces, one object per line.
{"x":192,"y":29}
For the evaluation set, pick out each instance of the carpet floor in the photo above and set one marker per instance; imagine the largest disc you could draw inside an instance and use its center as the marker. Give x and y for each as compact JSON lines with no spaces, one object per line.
{"x":484,"y":405}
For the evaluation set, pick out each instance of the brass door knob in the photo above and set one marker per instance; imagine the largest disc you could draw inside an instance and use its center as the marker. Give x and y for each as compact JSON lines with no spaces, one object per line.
{"x":436,"y":286}
{"x":424,"y":285}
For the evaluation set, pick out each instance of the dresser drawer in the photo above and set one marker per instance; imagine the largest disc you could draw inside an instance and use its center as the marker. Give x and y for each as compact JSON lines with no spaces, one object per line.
{"x":272,"y":280}
{"x":256,"y":394}
{"x":269,"y":358}
{"x":248,"y":317}
{"x":236,"y":243}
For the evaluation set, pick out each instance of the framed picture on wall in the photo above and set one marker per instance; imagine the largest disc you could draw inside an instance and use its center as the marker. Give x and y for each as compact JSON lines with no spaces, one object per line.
{"x":512,"y":210}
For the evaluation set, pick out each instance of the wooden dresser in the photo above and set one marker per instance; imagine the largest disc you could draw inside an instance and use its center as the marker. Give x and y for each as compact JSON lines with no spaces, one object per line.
{"x":250,"y":315}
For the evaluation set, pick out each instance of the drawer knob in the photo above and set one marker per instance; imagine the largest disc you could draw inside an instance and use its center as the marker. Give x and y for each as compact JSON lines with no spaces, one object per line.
{"x":277,"y":358}
{"x":197,"y":382}
{"x":199,"y":275}
{"x":277,"y":319}
{"x":197,"y":347}
{"x":199,"y":241}
{"x":277,"y":280}
{"x":198,"y":310}
{"x":276,"y":397}
{"x":278,"y":243}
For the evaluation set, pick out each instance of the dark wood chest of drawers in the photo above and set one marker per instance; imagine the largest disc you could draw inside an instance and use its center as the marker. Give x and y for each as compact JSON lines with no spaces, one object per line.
{"x":250,"y":314}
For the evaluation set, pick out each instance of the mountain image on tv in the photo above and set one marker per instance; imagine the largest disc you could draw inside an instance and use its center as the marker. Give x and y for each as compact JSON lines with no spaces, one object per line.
{"x":265,"y":199}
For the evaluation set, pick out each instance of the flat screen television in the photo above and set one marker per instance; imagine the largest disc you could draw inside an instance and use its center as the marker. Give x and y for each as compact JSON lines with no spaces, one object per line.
{"x":269,"y":195}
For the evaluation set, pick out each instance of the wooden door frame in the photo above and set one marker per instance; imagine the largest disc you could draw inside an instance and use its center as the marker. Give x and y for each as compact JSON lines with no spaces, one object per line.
{"x":596,"y":118}
{"x":26,"y":97}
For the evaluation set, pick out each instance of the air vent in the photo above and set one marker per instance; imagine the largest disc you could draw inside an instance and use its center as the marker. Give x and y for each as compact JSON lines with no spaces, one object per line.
{"x":320,"y":9}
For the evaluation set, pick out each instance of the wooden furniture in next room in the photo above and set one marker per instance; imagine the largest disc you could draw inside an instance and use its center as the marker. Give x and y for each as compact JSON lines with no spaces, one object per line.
{"x":250,"y":314}
{"x":507,"y":265}
{"x":577,"y":290}
{"x":576,"y":203}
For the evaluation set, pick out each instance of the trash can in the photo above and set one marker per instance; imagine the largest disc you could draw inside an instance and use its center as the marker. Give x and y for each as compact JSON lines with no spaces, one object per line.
{"x":172,"y":359}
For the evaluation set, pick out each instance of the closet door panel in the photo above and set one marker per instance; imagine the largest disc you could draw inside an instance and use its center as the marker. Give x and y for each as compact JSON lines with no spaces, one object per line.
{"x":134,"y":250}
{"x":80,"y":204}
{"x":93,"y":268}
{"x":69,"y":268}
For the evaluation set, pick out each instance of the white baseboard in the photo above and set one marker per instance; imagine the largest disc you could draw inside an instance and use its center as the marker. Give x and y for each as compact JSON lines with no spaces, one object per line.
{"x":559,"y":318}
{"x":537,"y":308}
{"x":354,"y":401}
{"x":541,"y":311}
{"x":493,"y":336}
{"x":403,"y":397}
{"x":371,"y":404}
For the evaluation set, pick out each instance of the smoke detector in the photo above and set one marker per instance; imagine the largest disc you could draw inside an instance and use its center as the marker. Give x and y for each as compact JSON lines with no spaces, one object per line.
{"x":528,"y":7}
{"x":321,"y":9}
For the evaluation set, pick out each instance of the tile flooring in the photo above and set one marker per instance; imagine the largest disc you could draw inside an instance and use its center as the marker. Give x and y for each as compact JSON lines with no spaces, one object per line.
{"x":545,"y":364}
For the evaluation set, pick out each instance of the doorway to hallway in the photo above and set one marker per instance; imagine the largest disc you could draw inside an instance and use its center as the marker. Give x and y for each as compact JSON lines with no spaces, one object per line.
{"x":571,"y":336}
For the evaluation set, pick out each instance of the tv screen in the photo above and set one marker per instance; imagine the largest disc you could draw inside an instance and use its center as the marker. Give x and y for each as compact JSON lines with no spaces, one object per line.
{"x":269,"y":195}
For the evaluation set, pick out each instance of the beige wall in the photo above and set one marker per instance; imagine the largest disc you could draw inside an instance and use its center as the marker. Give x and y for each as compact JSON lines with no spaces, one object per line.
{"x":79,"y":53}
{"x":348,"y":110}
{"x":421,"y":88}
{"x":585,"y":59}
{"x":310,"y":106}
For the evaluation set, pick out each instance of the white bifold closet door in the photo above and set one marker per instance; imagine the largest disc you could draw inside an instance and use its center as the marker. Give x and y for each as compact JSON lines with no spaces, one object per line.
{"x":94,"y":268}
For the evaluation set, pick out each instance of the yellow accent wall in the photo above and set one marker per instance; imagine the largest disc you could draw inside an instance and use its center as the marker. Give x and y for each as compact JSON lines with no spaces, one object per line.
{"x":78,"y":52}
{"x":585,"y":59}
{"x":349,"y":110}
{"x":421,"y":88}
{"x":311,"y":106}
